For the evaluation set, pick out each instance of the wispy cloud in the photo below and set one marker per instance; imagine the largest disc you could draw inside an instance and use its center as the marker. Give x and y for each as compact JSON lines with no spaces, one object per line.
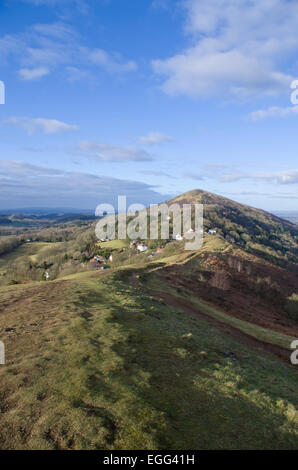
{"x":273,"y":112}
{"x":230,"y":173}
{"x":157,"y":173}
{"x":281,"y":177}
{"x":110,"y":62}
{"x":154,"y":138}
{"x":19,"y":169}
{"x":33,"y":74}
{"x":194,"y":176}
{"x":106,"y":152}
{"x":75,"y":74}
{"x":46,"y":47}
{"x":40,"y":125}
{"x":160,"y":4}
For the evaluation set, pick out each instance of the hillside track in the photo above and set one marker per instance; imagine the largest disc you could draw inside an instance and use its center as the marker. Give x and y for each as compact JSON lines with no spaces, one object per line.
{"x":269,"y":349}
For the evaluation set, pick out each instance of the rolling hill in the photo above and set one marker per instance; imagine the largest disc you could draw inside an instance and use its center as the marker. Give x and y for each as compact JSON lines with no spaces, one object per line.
{"x":262,"y":233}
{"x":167,"y":349}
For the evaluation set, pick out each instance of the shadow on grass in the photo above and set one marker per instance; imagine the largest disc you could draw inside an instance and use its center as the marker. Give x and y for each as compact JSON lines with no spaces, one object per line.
{"x":227,"y":397}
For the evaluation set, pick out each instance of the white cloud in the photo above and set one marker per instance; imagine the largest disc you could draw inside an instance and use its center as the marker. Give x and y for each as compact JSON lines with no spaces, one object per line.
{"x":16,"y":168}
{"x":33,"y":74}
{"x":58,"y":30}
{"x":273,"y":112}
{"x":110,"y":62}
{"x":108,"y":152}
{"x":238,"y":48}
{"x":45,"y":126}
{"x":158,"y":173}
{"x":45,"y":47}
{"x":75,"y":74}
{"x":154,"y":138}
{"x":160,"y":4}
{"x":230,"y":174}
{"x":282,"y":177}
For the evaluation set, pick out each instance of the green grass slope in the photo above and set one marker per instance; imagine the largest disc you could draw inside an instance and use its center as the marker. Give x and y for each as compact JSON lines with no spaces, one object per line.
{"x":94,"y":362}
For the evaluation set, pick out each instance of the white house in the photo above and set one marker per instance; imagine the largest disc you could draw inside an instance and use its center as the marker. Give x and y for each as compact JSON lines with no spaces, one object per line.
{"x":178,"y":237}
{"x":212,"y":232}
{"x":142,"y":247}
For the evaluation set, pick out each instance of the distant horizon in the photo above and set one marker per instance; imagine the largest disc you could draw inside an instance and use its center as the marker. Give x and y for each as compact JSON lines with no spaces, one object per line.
{"x":45,"y":210}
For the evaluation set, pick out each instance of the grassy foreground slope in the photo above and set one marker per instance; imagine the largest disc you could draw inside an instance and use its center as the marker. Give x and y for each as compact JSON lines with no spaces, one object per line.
{"x":94,"y":362}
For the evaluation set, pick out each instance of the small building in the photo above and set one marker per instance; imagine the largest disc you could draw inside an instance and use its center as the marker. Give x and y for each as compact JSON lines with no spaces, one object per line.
{"x":212,"y":232}
{"x":178,"y":237}
{"x":142,"y":247}
{"x":100,"y":259}
{"x":95,"y":264}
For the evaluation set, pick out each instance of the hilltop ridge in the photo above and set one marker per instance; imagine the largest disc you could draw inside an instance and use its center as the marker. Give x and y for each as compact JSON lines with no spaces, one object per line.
{"x":259,"y":231}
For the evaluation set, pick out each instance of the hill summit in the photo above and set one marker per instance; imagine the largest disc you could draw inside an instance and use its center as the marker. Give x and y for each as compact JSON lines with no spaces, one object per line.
{"x":254,"y":229}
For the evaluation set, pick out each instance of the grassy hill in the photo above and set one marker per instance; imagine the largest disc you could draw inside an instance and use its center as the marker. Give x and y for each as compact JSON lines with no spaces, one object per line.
{"x":168,"y":349}
{"x":97,"y":362}
{"x":262,"y":233}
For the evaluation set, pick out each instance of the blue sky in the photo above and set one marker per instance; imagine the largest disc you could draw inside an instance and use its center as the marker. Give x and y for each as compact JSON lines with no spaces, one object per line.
{"x":149,"y":99}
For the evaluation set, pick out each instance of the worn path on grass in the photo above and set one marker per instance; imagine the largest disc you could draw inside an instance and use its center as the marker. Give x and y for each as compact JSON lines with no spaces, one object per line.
{"x":282,"y":354}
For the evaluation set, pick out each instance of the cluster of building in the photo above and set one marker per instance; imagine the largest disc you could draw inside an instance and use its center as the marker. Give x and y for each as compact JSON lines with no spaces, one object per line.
{"x":140,"y":246}
{"x":100,"y":262}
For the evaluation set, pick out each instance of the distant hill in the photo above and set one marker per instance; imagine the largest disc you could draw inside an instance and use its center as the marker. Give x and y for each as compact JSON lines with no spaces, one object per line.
{"x":291,"y":216}
{"x":46,"y":211}
{"x":258,"y":231}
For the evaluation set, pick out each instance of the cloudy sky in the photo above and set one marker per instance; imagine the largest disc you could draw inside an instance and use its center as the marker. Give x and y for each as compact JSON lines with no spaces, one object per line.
{"x":148,"y":98}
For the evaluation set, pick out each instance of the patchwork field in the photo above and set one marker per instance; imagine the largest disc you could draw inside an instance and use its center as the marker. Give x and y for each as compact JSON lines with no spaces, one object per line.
{"x":27,"y":250}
